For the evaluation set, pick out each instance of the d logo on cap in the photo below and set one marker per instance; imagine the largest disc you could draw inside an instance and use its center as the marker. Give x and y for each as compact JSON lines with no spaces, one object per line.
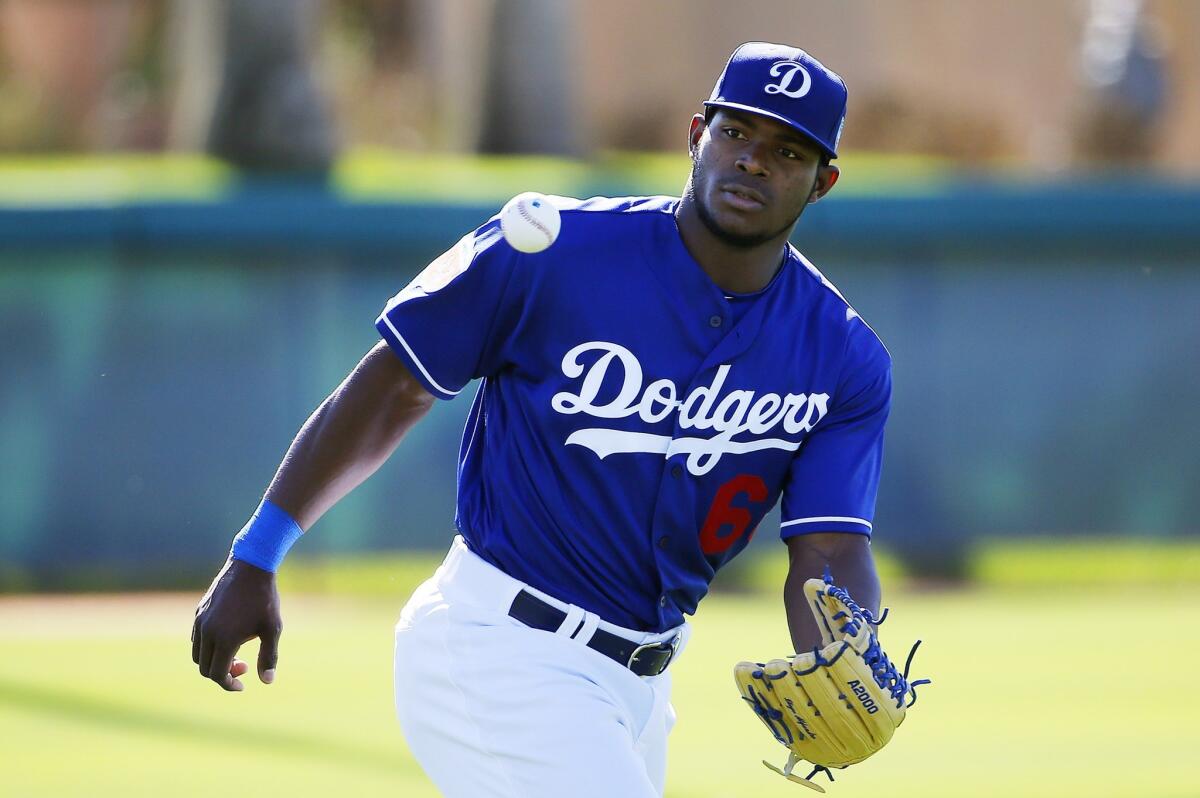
{"x":791,"y":74}
{"x":786,"y":72}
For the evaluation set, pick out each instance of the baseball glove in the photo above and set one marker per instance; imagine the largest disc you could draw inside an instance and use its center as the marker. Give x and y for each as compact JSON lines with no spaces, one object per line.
{"x":839,"y":703}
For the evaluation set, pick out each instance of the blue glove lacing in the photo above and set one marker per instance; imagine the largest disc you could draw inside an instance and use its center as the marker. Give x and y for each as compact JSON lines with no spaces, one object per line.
{"x":882,"y":669}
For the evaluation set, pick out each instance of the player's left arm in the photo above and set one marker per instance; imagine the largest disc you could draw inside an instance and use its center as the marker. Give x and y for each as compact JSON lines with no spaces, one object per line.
{"x":848,"y":556}
{"x":829,"y":498}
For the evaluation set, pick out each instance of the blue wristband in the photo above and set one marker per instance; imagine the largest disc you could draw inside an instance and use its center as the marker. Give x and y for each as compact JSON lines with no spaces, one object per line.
{"x":266,"y":537}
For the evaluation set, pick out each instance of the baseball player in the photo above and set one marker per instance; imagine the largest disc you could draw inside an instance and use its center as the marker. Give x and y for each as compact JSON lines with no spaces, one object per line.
{"x":650,"y":386}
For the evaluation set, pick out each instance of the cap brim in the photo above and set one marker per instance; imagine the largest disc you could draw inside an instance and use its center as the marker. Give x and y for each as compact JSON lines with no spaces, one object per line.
{"x":771,"y":115}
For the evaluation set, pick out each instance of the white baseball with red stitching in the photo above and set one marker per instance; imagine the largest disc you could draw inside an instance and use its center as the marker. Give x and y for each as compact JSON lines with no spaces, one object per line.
{"x":530,"y":222}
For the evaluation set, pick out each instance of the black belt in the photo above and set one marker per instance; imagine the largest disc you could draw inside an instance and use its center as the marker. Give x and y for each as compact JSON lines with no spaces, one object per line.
{"x":644,"y":660}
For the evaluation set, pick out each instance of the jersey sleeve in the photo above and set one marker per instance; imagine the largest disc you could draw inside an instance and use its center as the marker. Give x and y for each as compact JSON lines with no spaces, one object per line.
{"x":452,"y":323}
{"x":834,"y":476}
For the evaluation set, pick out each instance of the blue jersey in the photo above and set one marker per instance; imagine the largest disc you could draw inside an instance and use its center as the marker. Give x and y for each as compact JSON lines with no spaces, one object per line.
{"x":634,"y":423}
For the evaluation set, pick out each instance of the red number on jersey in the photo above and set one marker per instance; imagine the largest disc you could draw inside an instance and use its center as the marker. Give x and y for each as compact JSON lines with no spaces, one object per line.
{"x":724,"y":514}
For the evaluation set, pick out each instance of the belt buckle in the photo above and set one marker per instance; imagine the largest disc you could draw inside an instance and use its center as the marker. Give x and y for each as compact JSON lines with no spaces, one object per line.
{"x":674,"y":643}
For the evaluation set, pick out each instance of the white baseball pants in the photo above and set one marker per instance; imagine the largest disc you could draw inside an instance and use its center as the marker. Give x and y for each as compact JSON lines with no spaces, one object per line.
{"x":494,"y":709}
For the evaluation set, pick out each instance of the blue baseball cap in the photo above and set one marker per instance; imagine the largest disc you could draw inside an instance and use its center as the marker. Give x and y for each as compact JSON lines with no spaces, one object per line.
{"x":786,"y":84}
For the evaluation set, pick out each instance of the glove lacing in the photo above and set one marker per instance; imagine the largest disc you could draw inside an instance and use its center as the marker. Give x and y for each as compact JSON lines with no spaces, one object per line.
{"x":882,"y":669}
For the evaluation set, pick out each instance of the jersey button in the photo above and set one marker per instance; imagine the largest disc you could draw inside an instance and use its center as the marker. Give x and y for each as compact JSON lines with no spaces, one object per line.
{"x":715,"y":321}
{"x":662,"y":602}
{"x":663,"y":542}
{"x":676,"y":471}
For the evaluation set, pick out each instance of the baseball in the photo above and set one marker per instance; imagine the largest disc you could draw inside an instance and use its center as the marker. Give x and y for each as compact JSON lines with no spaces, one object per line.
{"x":530,"y":223}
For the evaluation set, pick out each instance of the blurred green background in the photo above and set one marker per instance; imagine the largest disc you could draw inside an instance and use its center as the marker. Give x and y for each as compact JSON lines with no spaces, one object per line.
{"x":204,"y":206}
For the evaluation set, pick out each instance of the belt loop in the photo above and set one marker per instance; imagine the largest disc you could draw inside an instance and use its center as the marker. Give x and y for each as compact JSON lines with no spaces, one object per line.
{"x":570,"y":624}
{"x":590,"y":622}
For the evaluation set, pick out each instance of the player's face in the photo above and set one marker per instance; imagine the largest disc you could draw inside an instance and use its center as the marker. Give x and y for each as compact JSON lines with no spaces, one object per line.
{"x":752,"y":176}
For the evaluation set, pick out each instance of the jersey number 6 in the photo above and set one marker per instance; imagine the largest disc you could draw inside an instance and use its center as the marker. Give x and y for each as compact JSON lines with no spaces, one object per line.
{"x":725,"y":517}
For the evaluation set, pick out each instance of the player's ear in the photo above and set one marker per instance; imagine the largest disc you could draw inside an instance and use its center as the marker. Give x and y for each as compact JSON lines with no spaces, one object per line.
{"x":827,"y":176}
{"x":695,"y":132}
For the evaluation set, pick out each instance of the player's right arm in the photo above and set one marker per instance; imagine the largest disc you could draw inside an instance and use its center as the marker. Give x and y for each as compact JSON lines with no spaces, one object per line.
{"x":349,"y":436}
{"x":453,"y":323}
{"x":345,"y":440}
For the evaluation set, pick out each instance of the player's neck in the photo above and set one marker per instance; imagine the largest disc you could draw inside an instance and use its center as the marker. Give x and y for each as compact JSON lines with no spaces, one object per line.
{"x":738,"y":270}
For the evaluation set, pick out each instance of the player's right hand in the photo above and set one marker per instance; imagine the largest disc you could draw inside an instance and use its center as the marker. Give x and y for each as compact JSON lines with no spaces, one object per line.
{"x":241,"y":603}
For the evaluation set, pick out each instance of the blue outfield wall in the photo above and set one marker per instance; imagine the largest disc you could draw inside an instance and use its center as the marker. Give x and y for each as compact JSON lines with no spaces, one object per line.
{"x":157,"y":359}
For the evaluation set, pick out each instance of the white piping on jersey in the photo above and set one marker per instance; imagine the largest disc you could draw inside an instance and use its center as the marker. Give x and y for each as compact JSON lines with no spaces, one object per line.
{"x":416,"y":359}
{"x":851,"y":313}
{"x":841,"y":519}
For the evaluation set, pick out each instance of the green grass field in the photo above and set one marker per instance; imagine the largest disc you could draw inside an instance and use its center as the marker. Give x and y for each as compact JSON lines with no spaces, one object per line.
{"x":1038,"y":692}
